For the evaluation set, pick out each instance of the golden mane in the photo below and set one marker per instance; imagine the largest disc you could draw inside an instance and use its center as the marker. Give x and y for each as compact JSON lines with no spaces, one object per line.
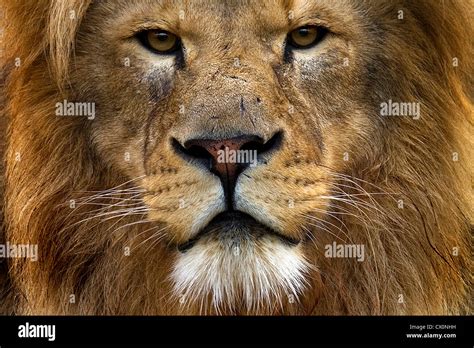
{"x":48,"y":161}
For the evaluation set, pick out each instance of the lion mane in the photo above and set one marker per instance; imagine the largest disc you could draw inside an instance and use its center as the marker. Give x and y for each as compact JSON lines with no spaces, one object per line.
{"x":423,"y":243}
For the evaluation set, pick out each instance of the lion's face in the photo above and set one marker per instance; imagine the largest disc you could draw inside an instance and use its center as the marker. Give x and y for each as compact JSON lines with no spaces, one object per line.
{"x":235,"y":80}
{"x":237,"y":157}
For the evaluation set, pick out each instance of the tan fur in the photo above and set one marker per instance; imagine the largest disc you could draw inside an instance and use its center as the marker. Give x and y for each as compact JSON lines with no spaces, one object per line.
{"x":409,"y":249}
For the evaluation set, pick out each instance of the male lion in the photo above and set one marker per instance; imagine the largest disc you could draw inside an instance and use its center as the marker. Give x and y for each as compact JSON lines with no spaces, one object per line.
{"x":238,"y":157}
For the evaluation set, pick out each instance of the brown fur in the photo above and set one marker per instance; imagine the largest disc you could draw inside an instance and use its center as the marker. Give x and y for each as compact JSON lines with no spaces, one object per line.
{"x":410,"y":249}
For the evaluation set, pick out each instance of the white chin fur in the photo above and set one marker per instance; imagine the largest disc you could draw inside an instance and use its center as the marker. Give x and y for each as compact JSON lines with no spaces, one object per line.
{"x":254,"y":275}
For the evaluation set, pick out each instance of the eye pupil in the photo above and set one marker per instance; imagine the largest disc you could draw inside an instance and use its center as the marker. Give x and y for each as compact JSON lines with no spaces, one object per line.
{"x":303,"y":32}
{"x":162,"y":36}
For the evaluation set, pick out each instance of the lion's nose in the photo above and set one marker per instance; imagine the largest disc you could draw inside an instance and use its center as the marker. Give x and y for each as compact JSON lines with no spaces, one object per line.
{"x":228,"y":158}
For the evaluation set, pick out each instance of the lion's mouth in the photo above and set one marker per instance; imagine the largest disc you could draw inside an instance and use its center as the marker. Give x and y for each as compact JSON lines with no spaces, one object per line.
{"x":233,"y":227}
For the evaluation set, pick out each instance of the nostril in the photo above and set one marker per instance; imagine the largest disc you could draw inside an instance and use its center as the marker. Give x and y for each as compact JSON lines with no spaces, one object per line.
{"x":193,"y":153}
{"x":197,"y":152}
{"x":261,"y":148}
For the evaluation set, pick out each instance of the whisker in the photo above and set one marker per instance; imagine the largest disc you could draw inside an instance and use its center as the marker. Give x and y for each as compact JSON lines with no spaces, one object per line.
{"x":325,"y":229}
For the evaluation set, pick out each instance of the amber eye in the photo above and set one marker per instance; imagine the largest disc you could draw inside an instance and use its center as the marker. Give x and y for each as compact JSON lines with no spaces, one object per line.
{"x":159,"y":41}
{"x":305,"y":37}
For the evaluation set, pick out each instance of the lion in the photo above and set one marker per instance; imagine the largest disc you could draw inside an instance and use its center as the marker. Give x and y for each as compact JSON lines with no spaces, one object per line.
{"x":237,"y":158}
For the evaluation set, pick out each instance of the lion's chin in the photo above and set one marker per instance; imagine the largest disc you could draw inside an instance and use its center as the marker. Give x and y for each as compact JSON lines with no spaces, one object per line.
{"x":240,"y":271}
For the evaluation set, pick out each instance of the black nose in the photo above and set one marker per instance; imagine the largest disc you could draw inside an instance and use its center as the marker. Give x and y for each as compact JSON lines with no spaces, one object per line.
{"x":228,"y":158}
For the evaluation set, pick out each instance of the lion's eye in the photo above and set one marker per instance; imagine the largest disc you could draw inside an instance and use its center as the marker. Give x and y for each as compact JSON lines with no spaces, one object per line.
{"x":305,"y":37}
{"x":160,"y":41}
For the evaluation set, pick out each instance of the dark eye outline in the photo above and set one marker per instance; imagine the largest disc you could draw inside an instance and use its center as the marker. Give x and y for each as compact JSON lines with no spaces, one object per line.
{"x":143,"y":38}
{"x":321,"y":34}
